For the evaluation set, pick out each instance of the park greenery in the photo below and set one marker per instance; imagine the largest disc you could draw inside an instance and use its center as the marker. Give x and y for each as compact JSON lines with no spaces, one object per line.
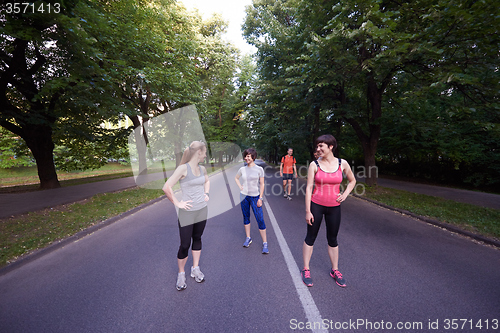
{"x":63,"y":75}
{"x":410,"y":87}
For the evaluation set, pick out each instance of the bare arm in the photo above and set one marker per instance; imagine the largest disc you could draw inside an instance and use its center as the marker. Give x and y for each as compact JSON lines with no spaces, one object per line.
{"x":262,"y":186}
{"x":261,"y":195}
{"x":206,"y":186}
{"x":346,"y":168}
{"x":237,"y":179}
{"x":180,"y":172}
{"x":311,"y":172}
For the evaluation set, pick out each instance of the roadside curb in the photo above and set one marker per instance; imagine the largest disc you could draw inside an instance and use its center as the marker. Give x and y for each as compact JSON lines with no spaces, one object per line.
{"x":63,"y":242}
{"x":437,"y":223}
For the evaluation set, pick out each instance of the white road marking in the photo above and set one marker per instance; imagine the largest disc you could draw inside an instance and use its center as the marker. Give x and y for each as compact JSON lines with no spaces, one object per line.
{"x":312,"y":313}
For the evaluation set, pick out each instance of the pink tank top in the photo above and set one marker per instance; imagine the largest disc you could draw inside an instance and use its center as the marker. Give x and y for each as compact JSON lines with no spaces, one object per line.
{"x":327,"y":187}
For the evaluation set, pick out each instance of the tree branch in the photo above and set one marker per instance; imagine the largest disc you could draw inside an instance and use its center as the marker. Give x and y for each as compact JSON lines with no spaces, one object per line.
{"x":40,"y":61}
{"x":11,"y":127}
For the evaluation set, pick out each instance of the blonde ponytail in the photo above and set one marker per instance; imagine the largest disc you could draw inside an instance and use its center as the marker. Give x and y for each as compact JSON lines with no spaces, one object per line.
{"x":191,"y":150}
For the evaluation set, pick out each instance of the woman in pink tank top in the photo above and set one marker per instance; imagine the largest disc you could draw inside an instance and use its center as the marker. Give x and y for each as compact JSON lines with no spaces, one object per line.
{"x":325,"y":175}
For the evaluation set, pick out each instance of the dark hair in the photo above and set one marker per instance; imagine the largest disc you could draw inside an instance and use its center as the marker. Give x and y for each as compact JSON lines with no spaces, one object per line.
{"x":251,"y":152}
{"x":327,"y":139}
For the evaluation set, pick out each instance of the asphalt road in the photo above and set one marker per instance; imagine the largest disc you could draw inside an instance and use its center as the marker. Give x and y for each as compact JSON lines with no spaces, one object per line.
{"x":399,"y":272}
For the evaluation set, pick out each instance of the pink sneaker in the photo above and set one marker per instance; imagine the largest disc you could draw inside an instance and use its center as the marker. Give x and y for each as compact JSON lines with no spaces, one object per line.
{"x":337,"y":276}
{"x":306,"y":277}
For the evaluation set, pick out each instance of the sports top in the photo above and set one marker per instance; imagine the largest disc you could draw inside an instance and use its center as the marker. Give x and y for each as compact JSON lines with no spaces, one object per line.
{"x":250,"y":180}
{"x":193,"y":189}
{"x":327,"y":186}
{"x":288,"y":162}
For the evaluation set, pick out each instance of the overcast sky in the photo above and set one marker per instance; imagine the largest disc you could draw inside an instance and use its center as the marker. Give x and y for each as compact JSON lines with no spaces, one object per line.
{"x":233,"y":11}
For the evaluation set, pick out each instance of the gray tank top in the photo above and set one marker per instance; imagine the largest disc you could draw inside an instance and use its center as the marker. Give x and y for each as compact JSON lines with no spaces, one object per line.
{"x":193,"y":189}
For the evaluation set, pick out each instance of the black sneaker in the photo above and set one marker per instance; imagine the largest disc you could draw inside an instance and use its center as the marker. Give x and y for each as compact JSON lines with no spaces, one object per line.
{"x":306,"y":277}
{"x":337,"y":276}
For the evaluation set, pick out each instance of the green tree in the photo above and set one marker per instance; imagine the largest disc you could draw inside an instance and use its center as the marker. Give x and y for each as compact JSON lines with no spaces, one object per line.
{"x":444,"y":103}
{"x":148,"y":52}
{"x":50,"y":74}
{"x":245,"y":82}
{"x":217,"y":64}
{"x":64,"y":75}
{"x":350,"y":60}
{"x":28,"y":94}
{"x":285,"y":110}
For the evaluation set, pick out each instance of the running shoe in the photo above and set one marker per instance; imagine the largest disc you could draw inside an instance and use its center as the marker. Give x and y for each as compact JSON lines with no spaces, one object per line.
{"x":197,"y":274}
{"x":337,"y":276}
{"x":289,"y":197}
{"x":285,"y":195}
{"x":181,"y":281}
{"x":248,"y":241}
{"x":306,"y":277}
{"x":265,"y":250}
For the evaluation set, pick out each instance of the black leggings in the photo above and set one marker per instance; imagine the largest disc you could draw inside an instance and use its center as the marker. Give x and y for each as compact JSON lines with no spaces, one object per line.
{"x":332,"y":220}
{"x":192,"y":230}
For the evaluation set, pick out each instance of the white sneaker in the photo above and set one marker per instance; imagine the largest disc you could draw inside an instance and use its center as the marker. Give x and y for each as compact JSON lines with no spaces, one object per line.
{"x":197,"y":274}
{"x":181,"y":281}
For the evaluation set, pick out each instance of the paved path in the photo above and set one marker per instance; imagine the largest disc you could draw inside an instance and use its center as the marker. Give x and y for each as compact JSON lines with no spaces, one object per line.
{"x":403,"y":276}
{"x":19,"y":203}
{"x":471,"y":197}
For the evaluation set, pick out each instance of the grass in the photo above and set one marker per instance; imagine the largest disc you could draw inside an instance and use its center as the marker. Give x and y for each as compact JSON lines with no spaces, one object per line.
{"x":480,"y":220}
{"x":25,"y":233}
{"x":24,"y":179}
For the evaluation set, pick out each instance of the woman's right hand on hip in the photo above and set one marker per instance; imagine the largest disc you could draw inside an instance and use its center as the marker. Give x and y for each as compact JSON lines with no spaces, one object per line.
{"x":185,"y":204}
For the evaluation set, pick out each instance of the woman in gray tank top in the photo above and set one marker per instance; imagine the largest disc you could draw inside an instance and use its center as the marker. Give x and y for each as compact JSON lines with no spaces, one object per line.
{"x":193,"y":211}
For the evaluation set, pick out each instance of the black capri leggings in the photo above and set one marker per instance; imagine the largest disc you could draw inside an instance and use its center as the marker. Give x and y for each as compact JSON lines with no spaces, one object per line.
{"x":191,"y":231}
{"x":332,"y":220}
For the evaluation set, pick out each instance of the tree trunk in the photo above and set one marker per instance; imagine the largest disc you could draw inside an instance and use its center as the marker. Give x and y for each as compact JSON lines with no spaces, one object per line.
{"x":369,"y":144}
{"x":220,"y":106}
{"x":370,"y":147}
{"x":220,"y":158}
{"x":371,"y":170}
{"x":39,"y":140}
{"x":141,"y":145}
